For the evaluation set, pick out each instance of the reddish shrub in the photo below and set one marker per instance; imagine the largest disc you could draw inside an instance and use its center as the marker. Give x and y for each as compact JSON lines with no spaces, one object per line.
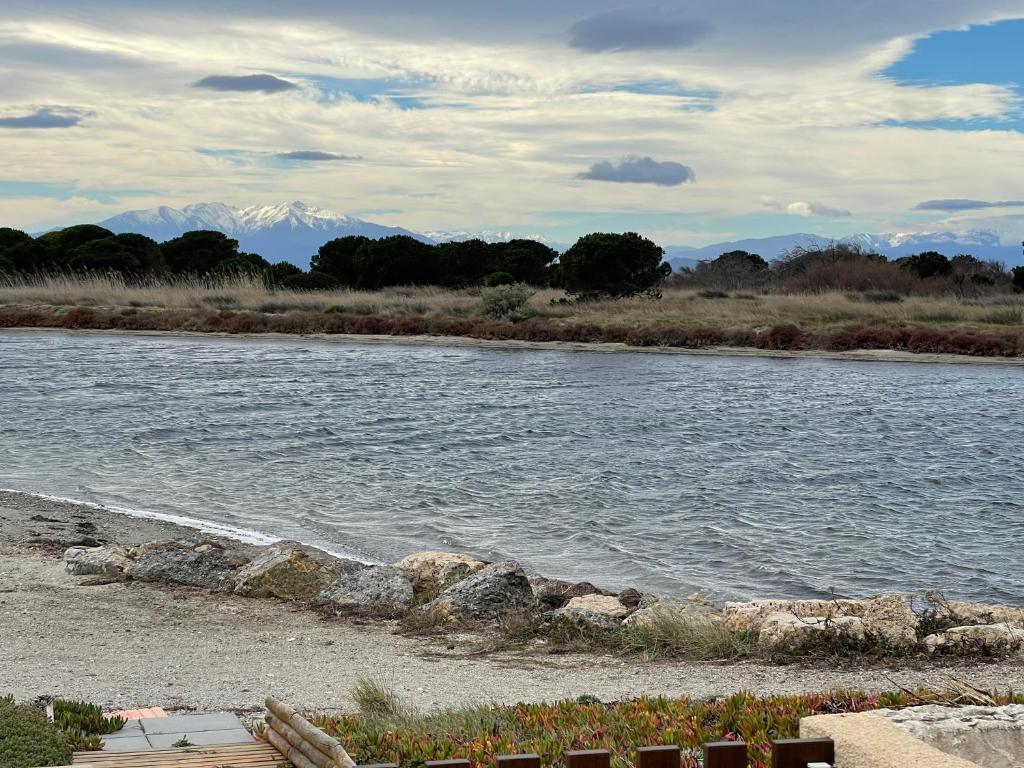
{"x":782,"y":336}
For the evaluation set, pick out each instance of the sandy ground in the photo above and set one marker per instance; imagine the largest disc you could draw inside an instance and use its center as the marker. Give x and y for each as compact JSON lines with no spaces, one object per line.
{"x":858,"y":355}
{"x":131,"y":645}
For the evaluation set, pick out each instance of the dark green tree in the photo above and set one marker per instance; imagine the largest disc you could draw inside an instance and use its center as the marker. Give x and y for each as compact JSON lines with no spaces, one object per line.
{"x":927,"y":264}
{"x":460,"y":263}
{"x":282,"y":271}
{"x":199,"y":252}
{"x":613,"y":265}
{"x":129,"y":254}
{"x":61,"y":245}
{"x":1018,"y":279}
{"x":395,"y":260}
{"x":337,"y":258}
{"x":528,"y":261}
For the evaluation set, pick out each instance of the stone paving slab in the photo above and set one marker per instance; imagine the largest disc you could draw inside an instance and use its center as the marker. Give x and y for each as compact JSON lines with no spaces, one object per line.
{"x":221,"y":721}
{"x":201,"y":738}
{"x":222,"y":728}
{"x":130,"y":743}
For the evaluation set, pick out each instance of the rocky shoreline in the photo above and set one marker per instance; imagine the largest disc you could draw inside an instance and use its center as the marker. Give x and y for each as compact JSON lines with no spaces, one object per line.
{"x":454,"y":591}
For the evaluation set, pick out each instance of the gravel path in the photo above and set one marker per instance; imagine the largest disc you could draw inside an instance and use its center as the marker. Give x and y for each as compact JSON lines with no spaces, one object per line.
{"x":132,"y":645}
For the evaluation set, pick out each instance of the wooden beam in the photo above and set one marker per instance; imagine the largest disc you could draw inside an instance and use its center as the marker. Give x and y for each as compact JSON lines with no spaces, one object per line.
{"x":797,"y":753}
{"x":588,"y":758}
{"x":725,"y":754}
{"x":668,"y":756}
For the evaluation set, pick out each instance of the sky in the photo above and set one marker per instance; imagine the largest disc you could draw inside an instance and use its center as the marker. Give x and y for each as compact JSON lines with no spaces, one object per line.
{"x":690,"y":122}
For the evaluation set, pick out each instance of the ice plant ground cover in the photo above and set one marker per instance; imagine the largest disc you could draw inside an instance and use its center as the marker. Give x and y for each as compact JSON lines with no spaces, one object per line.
{"x":387,"y":731}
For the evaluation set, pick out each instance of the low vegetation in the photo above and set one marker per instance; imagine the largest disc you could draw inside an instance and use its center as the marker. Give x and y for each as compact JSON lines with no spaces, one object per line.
{"x":387,"y":730}
{"x":683,"y":318}
{"x":28,"y":739}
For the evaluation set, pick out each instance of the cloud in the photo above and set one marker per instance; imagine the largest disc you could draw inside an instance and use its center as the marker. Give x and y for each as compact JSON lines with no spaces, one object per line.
{"x":45,"y":117}
{"x":313,"y":155}
{"x":636,"y":29}
{"x":247,"y":83}
{"x":634,"y":169}
{"x":805,"y":209}
{"x":966,"y":205}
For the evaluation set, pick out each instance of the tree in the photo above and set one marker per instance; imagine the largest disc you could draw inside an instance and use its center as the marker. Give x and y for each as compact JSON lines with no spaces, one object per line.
{"x":129,"y":254}
{"x":732,"y":270}
{"x":282,"y":271}
{"x":19,"y":252}
{"x":528,"y":261}
{"x":1018,"y":279}
{"x":395,"y":260}
{"x":613,"y":265}
{"x":927,"y":264}
{"x":337,"y":258}
{"x":61,"y":245}
{"x":463,"y":262}
{"x":199,"y":252}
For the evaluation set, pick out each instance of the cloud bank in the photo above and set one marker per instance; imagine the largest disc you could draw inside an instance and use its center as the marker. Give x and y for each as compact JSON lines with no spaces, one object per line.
{"x":634,"y":169}
{"x":45,"y":117}
{"x":245,"y":83}
{"x":636,"y":29}
{"x":957,"y":204}
{"x":312,"y":155}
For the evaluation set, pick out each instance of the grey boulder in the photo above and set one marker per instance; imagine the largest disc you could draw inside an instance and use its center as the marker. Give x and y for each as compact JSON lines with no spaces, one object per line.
{"x":206,"y":566}
{"x":487,"y":595}
{"x":374,"y":588}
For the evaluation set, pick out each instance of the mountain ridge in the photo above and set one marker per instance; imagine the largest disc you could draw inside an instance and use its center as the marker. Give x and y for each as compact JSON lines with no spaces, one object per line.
{"x":294,"y":231}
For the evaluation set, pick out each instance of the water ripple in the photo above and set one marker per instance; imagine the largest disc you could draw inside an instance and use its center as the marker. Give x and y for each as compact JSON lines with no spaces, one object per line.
{"x":733,"y":477}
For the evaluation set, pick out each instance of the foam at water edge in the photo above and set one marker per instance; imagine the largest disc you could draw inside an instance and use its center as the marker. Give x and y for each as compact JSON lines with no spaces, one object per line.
{"x":227,"y":531}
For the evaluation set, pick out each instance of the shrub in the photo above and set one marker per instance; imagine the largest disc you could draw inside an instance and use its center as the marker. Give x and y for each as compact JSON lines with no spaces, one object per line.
{"x":713,"y":294}
{"x":498,"y":278}
{"x":782,"y":336}
{"x":27,"y":740}
{"x":506,"y":302}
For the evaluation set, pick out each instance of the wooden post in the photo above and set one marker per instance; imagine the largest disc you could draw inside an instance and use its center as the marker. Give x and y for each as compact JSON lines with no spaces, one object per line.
{"x":588,"y":758}
{"x":280,"y":743}
{"x":518,"y":761}
{"x":668,"y":756}
{"x":725,"y":754}
{"x":290,"y":735}
{"x":797,"y":753}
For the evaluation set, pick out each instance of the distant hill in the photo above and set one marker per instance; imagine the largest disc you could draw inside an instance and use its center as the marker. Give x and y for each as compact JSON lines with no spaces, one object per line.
{"x":287,"y":232}
{"x":981,"y":244}
{"x":294,"y":231}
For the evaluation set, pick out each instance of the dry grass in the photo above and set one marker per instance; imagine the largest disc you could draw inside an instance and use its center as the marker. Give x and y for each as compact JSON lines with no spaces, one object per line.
{"x":992,"y":325}
{"x":811,"y":312}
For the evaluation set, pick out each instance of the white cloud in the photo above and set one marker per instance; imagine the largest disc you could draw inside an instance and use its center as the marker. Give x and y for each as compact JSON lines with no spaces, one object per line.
{"x":806,"y":209}
{"x":512,"y":117}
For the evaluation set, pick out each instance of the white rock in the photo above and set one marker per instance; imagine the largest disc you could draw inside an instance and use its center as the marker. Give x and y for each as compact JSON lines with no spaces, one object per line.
{"x":979,"y":637}
{"x":787,"y":632}
{"x":108,"y":560}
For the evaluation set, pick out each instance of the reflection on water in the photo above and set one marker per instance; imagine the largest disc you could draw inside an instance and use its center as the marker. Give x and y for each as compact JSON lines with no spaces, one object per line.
{"x":733,"y":477}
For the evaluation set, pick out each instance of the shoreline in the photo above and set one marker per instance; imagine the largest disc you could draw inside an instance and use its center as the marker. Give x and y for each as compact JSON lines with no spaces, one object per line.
{"x":130,"y":644}
{"x":860,"y":355}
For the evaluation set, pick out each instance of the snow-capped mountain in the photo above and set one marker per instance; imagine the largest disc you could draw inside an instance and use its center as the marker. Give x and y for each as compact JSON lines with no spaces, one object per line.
{"x":488,"y":236}
{"x":287,"y":232}
{"x":979,"y":243}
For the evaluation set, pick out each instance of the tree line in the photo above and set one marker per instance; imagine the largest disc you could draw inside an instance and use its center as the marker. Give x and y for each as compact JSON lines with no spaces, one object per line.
{"x":842,"y":266}
{"x":599,"y":264}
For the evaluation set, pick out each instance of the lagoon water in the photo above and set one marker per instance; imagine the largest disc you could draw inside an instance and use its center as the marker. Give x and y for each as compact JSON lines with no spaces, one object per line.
{"x":734,"y":477}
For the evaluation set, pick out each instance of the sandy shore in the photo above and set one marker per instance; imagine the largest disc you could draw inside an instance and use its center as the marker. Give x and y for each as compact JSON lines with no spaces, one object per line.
{"x":859,"y":355}
{"x":130,"y":645}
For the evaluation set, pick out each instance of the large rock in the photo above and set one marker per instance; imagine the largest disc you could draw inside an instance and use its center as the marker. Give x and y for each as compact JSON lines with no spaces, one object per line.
{"x":978,"y":638}
{"x":962,"y":613}
{"x":589,"y":613}
{"x":487,"y":595}
{"x":888,"y":619}
{"x":748,"y":617}
{"x":784,"y":631}
{"x":695,"y":610}
{"x":291,"y":571}
{"x":375,"y":588}
{"x":433,"y":572}
{"x":208,"y":566}
{"x":106,"y":560}
{"x":555,"y":593}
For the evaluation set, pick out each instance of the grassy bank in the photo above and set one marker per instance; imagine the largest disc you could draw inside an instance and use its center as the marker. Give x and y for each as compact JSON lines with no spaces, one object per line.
{"x":989,"y":326}
{"x":387,"y":730}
